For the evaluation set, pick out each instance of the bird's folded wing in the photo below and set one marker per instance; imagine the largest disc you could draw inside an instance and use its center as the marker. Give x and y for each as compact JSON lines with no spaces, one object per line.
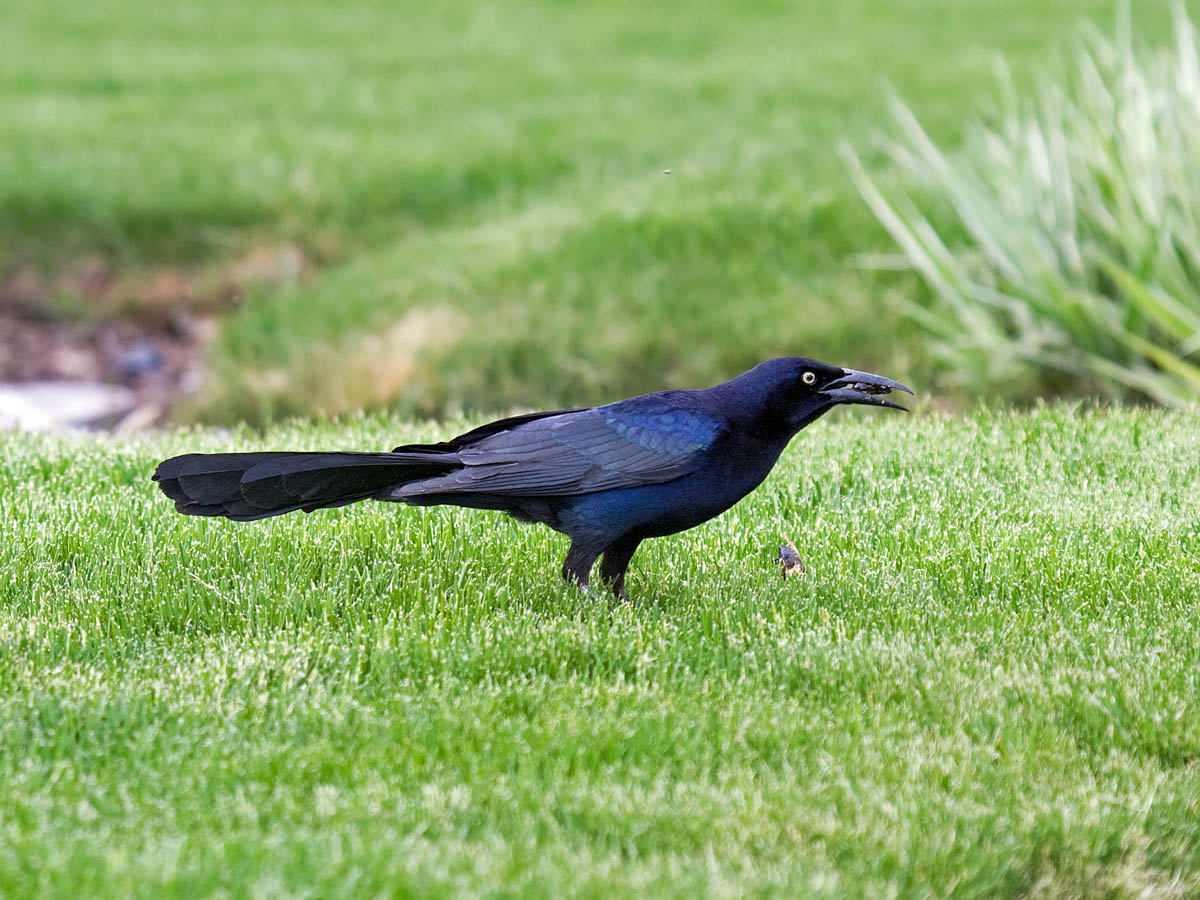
{"x":616,"y":446}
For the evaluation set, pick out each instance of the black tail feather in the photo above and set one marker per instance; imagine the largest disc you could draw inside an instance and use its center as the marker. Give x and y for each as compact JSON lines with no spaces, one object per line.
{"x":246,"y":486}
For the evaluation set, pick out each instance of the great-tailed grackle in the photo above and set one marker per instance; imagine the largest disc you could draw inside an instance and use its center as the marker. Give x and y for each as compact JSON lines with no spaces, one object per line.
{"x":608,"y":477}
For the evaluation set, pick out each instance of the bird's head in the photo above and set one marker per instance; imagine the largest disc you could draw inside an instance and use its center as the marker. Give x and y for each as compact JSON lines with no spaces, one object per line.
{"x":792,"y":391}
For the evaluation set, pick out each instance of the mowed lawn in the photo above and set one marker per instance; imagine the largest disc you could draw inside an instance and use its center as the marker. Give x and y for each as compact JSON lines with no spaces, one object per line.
{"x":986,"y":685}
{"x":480,"y":189}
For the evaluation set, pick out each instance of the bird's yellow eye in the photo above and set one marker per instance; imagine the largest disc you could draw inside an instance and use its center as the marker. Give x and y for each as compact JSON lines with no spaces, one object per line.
{"x":809,"y":377}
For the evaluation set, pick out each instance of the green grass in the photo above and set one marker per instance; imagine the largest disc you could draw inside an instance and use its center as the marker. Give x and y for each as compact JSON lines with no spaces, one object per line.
{"x":987,"y":685}
{"x":482,"y":187}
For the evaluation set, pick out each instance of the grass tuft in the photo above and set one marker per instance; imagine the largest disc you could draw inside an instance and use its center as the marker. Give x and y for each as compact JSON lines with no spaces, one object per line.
{"x":1072,"y":242}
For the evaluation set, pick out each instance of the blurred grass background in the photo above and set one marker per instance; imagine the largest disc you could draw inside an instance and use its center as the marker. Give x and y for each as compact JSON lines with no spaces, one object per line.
{"x":480,"y":193}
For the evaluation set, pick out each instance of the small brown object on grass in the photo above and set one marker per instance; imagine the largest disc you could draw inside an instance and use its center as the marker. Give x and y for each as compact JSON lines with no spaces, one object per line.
{"x":789,"y":559}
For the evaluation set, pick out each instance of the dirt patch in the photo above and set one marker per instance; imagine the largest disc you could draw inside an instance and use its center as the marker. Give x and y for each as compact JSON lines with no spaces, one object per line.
{"x":144,"y":330}
{"x":1132,"y":877}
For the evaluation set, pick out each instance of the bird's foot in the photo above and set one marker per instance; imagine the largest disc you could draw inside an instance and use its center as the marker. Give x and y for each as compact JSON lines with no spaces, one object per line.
{"x":617,"y":589}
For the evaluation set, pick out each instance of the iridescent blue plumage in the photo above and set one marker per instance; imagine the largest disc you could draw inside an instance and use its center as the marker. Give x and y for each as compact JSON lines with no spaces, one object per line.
{"x":608,"y":477}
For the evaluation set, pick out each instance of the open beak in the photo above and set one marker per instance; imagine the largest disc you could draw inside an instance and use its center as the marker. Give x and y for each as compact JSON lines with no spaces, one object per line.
{"x":865,"y":388}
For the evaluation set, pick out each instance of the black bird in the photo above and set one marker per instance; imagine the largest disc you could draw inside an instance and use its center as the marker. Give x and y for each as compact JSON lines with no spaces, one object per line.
{"x":608,"y":477}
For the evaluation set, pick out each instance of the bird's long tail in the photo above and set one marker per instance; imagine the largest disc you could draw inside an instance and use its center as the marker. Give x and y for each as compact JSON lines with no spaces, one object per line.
{"x":246,"y":486}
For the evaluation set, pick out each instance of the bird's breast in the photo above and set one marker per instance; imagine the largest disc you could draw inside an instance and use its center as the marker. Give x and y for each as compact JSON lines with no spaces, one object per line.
{"x":654,"y":510}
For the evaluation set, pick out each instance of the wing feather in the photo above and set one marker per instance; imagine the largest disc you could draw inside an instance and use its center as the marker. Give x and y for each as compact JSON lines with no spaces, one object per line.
{"x":647,"y":440}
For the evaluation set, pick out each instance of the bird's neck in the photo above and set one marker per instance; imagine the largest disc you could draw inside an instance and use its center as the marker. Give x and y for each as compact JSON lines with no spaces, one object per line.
{"x":776,"y":426}
{"x":767,"y":410}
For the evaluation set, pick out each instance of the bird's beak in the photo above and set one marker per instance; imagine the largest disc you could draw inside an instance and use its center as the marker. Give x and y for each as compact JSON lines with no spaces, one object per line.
{"x":863,"y":387}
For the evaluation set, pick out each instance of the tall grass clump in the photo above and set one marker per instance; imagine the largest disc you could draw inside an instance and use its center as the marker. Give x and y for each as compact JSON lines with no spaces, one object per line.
{"x":1062,"y":241}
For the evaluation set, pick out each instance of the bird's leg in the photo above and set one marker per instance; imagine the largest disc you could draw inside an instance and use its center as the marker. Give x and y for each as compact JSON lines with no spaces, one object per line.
{"x":578,"y":564}
{"x":616,"y":563}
